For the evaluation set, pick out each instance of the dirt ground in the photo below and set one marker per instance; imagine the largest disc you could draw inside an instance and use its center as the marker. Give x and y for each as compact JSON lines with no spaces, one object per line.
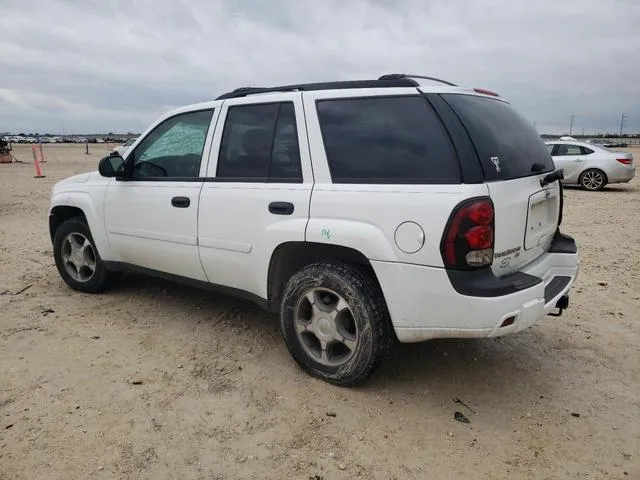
{"x":154,"y":380}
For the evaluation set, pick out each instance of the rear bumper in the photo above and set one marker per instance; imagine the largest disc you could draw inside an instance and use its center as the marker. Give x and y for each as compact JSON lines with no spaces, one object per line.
{"x":424,"y":304}
{"x":621,"y":173}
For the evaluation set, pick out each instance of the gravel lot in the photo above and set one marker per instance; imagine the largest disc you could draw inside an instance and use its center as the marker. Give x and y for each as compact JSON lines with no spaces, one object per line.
{"x":154,"y":380}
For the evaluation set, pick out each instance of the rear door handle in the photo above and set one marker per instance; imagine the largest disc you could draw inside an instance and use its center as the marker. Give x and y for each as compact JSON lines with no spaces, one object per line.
{"x":281,"y":208}
{"x":181,"y":202}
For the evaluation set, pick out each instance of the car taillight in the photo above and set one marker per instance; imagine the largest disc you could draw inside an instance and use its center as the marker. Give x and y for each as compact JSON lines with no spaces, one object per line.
{"x":624,"y":161}
{"x":468,"y":239}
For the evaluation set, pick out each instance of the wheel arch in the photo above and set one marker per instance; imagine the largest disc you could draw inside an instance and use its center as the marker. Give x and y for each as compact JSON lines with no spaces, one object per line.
{"x":289,"y":257}
{"x":60,"y":214}
{"x":80,"y":204}
{"x":604,"y":174}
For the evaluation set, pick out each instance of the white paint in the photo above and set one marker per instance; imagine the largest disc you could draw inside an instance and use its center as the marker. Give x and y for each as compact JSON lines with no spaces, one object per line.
{"x":227,"y":235}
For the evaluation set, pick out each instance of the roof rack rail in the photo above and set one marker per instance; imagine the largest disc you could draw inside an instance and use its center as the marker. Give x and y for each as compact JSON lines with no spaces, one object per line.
{"x":305,"y":87}
{"x":398,"y":76}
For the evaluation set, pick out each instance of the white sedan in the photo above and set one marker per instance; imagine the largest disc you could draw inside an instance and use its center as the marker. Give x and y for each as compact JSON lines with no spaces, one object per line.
{"x":591,"y":166}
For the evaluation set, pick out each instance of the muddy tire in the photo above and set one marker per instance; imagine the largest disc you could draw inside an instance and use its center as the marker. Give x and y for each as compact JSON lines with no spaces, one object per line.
{"x":335,"y":322}
{"x":77,"y":258}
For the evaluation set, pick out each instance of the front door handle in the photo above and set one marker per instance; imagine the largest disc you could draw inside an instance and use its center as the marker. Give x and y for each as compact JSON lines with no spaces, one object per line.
{"x":281,"y":208}
{"x":181,"y":202}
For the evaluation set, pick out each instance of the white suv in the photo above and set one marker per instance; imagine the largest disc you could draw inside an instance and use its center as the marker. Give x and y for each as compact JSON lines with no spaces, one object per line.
{"x":360,"y":211}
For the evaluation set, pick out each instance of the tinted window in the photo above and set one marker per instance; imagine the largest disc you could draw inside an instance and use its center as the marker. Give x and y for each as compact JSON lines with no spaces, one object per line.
{"x":260,"y":142}
{"x":568,"y":150}
{"x":507,"y":144}
{"x":386,"y":140}
{"x":174,"y":148}
{"x":285,"y":158}
{"x":586,"y":151}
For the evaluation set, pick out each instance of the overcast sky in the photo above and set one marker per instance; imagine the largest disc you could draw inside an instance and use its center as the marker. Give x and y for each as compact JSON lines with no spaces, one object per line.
{"x":115,"y":65}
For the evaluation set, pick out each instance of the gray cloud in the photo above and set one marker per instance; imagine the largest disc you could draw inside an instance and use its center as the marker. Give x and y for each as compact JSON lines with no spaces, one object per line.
{"x":116,"y":65}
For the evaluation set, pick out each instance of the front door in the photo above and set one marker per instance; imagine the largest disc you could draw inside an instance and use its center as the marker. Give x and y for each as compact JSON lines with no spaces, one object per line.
{"x":570,"y":158}
{"x":151,"y":214}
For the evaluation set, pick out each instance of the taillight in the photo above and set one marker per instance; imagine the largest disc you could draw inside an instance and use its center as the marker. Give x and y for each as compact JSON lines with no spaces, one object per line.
{"x":468,"y":239}
{"x":624,"y":161}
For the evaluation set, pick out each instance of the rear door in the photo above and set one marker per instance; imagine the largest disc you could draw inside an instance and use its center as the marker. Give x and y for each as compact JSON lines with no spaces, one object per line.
{"x":514,"y":160}
{"x":257,"y":191}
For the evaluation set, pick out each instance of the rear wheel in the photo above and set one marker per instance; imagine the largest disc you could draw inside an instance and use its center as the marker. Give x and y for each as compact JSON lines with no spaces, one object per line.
{"x":335,"y":322}
{"x":77,"y":258}
{"x":593,"y":179}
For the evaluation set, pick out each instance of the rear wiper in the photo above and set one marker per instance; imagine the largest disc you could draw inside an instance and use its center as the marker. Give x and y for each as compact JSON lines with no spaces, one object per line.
{"x":552,"y":177}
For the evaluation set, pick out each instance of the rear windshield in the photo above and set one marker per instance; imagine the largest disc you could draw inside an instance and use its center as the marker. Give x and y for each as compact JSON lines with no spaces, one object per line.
{"x":507,"y":144}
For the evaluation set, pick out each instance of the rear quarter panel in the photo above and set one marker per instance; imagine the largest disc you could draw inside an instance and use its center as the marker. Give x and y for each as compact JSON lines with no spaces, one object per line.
{"x":365,"y":217}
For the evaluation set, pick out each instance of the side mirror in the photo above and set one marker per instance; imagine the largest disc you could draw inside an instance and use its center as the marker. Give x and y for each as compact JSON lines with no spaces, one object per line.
{"x":111,"y":166}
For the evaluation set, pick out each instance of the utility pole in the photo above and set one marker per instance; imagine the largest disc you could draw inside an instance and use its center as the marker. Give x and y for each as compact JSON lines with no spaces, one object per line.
{"x":623,"y":118}
{"x":571,"y":124}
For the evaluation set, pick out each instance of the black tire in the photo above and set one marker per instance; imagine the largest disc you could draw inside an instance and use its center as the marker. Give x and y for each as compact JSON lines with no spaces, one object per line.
{"x":101,"y":278}
{"x":589,"y":179}
{"x":368,"y":311}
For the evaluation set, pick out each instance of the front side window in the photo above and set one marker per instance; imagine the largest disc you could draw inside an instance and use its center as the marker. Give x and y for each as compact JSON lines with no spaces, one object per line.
{"x":260,"y":143}
{"x":398,"y":140}
{"x":174,"y":148}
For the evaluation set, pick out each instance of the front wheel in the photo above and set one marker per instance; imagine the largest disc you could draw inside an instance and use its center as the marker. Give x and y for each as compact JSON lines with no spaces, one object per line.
{"x":593,"y":179}
{"x":335,"y":322}
{"x":77,"y":258}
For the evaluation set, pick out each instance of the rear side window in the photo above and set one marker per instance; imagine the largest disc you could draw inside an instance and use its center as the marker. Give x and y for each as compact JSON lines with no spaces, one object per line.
{"x":507,"y":144}
{"x":386,"y":140}
{"x":564,"y":150}
{"x":260,"y":143}
{"x":586,"y":151}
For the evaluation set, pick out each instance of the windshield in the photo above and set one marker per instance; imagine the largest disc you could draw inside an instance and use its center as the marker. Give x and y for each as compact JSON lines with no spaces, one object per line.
{"x":507,"y":144}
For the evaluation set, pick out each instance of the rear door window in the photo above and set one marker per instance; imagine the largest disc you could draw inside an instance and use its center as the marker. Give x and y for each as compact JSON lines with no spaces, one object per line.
{"x":260,"y":143}
{"x":586,"y":151}
{"x":396,"y":140}
{"x":564,"y":150}
{"x":507,"y":144}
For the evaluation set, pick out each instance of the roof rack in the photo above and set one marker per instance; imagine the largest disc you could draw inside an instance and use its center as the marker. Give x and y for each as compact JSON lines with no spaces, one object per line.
{"x":404,"y":81}
{"x":398,"y":76}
